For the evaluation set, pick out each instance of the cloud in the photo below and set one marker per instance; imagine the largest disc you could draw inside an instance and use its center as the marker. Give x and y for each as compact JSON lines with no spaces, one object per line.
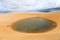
{"x":26,"y":5}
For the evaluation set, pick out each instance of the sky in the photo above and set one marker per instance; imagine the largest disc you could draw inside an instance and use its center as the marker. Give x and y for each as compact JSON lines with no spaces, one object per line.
{"x":27,"y":5}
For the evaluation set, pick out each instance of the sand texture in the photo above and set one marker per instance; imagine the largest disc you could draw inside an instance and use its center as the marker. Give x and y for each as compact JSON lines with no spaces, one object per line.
{"x":7,"y":33}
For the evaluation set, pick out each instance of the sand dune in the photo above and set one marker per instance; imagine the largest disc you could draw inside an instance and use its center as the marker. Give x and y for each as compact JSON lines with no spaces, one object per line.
{"x":7,"y":33}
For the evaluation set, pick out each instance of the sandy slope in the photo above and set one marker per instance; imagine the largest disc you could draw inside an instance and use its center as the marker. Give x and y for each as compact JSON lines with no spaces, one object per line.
{"x":6,"y":20}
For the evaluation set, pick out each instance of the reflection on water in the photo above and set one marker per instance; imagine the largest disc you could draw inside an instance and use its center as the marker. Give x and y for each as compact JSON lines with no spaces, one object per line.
{"x":34,"y":25}
{"x":29,"y":5}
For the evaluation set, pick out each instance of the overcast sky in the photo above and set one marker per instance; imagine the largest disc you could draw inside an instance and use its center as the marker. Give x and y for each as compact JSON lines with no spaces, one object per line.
{"x":25,"y":5}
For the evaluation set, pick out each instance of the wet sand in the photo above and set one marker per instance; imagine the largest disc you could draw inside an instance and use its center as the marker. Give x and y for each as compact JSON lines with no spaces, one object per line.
{"x":7,"y":33}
